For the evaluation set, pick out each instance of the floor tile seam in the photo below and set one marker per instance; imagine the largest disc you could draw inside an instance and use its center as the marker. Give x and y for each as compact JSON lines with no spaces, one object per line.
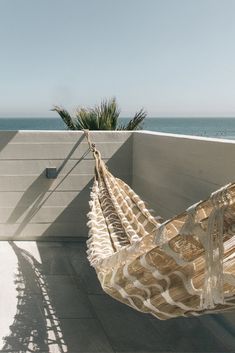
{"x":118,"y":351}
{"x":87,"y":294}
{"x":1,"y":351}
{"x":41,"y":298}
{"x":79,"y":281}
{"x":222,"y":340}
{"x":59,"y":275}
{"x":156,"y":351}
{"x":62,"y":317}
{"x":83,"y":262}
{"x":74,"y":276}
{"x":73,"y":285}
{"x":101,"y":324}
{"x":93,"y":312}
{"x":172,"y":351}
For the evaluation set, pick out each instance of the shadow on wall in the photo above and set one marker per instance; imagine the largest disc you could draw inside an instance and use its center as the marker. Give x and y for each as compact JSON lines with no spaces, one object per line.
{"x":6,"y":137}
{"x":36,"y":196}
{"x":31,"y":201}
{"x":121,"y":165}
{"x":71,"y":222}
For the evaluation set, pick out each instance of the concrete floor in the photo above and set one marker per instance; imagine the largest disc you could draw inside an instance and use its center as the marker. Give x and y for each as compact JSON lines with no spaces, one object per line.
{"x":51,"y":301}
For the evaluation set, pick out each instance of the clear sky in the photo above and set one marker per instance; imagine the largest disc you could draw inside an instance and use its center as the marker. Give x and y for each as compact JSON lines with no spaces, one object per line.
{"x":172,"y":57}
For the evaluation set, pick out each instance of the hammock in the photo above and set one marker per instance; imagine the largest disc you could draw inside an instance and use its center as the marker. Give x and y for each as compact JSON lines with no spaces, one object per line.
{"x":184,"y":266}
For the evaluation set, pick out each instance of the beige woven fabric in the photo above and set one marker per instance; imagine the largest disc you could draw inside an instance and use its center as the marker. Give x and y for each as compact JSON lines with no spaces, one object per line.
{"x":183,"y":267}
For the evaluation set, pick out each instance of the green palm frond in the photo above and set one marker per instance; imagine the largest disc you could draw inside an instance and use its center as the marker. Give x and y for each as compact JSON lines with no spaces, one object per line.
{"x":134,"y":123}
{"x":101,"y":117}
{"x":66,"y":117}
{"x":86,"y":119}
{"x":107,"y":114}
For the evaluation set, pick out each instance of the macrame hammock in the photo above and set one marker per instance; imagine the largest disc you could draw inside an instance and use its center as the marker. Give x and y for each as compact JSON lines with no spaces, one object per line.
{"x":184,"y":266}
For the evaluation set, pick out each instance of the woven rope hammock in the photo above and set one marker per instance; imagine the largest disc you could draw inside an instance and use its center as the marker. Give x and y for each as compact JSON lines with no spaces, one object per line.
{"x":182,"y":267}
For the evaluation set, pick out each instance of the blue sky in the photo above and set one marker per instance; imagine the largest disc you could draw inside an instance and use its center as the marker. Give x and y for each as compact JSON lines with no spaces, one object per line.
{"x":172,"y":57}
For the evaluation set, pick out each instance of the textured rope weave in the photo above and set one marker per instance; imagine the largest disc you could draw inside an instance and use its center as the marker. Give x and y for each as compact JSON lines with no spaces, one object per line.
{"x":182,"y":267}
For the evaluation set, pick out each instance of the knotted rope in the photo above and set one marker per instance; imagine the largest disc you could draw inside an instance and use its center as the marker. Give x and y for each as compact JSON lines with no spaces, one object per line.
{"x":95,"y":152}
{"x":91,"y":145}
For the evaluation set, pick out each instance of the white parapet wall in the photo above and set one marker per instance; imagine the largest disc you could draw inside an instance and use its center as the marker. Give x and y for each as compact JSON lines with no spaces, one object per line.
{"x":33,"y":206}
{"x":172,"y":172}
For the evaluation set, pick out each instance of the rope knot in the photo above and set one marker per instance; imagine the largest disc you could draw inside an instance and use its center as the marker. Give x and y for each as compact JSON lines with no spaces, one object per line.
{"x":92,"y":147}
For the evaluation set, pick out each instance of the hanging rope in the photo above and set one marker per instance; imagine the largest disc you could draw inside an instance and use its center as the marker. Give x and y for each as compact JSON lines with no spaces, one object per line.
{"x":91,"y":145}
{"x":95,"y":152}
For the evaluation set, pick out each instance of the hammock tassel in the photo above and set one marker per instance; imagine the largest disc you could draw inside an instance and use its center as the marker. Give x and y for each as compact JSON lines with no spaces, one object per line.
{"x":187,"y":228}
{"x":213,"y":290}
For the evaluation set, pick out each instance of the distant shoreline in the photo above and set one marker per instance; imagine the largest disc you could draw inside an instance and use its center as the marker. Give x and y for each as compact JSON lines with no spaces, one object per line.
{"x":124,"y":117}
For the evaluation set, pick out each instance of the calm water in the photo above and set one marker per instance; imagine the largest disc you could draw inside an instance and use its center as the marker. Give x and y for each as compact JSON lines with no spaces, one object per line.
{"x":211,"y":127}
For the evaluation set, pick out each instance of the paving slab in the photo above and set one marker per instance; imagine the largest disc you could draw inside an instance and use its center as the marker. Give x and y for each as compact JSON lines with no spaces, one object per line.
{"x":55,"y":258}
{"x":85,"y":335}
{"x":126,"y":328}
{"x":69,"y":301}
{"x":189,"y":335}
{"x":85,"y":273}
{"x":51,"y":301}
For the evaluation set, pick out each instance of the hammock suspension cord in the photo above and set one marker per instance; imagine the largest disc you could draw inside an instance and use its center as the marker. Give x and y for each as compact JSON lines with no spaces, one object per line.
{"x":95,"y":152}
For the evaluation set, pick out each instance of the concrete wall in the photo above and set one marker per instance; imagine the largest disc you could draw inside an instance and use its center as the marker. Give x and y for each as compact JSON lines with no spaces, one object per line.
{"x":171,"y":172}
{"x":33,"y":206}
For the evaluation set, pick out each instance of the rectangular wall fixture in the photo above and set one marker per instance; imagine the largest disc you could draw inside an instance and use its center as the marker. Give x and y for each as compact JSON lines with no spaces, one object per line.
{"x":51,"y":173}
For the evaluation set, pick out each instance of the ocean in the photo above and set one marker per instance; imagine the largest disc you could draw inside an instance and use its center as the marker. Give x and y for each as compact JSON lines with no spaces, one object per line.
{"x":207,"y":127}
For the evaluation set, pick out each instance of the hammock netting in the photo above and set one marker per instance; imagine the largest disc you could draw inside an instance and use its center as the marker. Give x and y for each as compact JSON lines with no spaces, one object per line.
{"x":184,"y":266}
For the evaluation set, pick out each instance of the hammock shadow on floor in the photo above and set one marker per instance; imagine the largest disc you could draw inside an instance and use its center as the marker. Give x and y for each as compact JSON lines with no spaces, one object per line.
{"x":35,"y":326}
{"x":53,"y":313}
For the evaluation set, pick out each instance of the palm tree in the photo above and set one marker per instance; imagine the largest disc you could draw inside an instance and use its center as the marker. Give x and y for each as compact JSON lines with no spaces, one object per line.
{"x":102,"y":117}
